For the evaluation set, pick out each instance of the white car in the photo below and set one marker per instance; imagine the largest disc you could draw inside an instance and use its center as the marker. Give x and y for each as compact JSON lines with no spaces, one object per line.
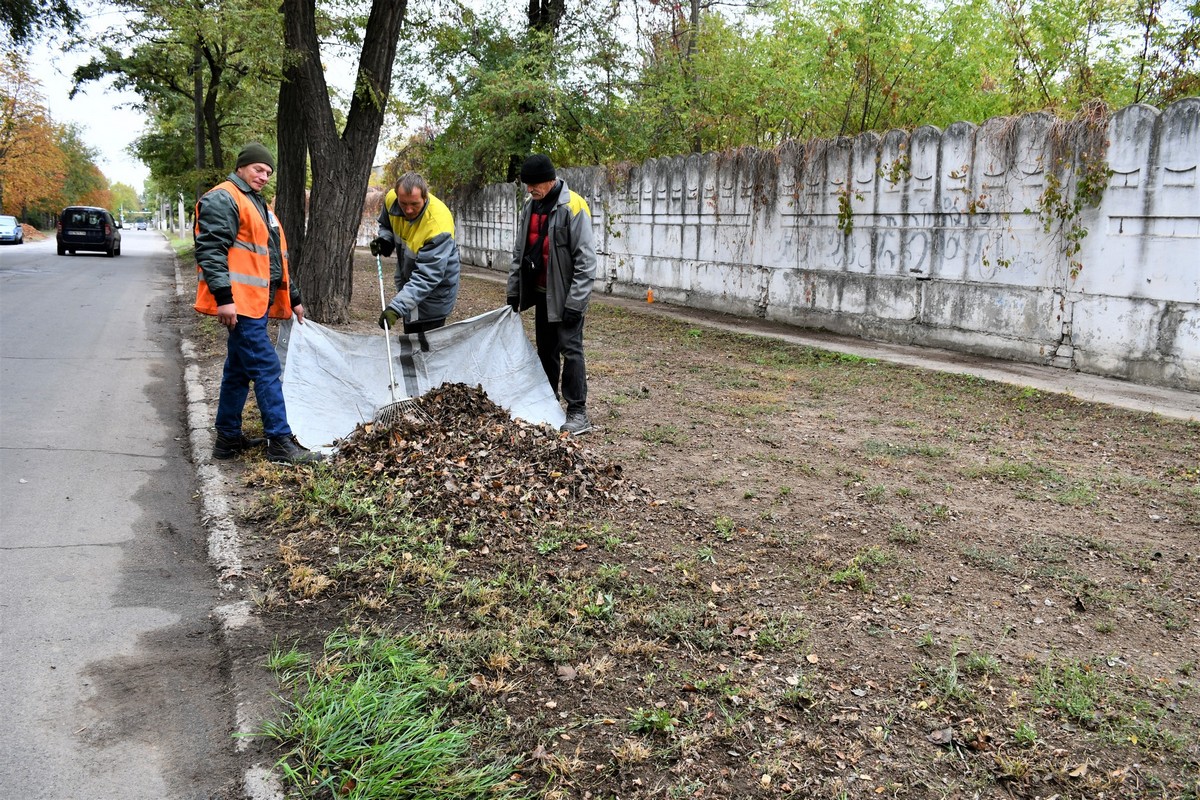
{"x":11,"y":230}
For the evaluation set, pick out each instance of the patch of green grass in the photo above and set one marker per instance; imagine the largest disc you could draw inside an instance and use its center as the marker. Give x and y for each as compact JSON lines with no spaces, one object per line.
{"x":287,"y":664}
{"x":940,"y":511}
{"x":651,"y":720}
{"x":664,"y":434}
{"x":372,"y":720}
{"x":684,"y":623}
{"x":981,"y":664}
{"x":780,"y":633}
{"x":1119,"y":704}
{"x":989,"y":560}
{"x":875,"y":447}
{"x":943,"y":682}
{"x":725,"y":528}
{"x":1017,"y":472}
{"x":799,"y":692}
{"x":900,"y":533}
{"x":1024,"y":734}
{"x":854,"y":574}
{"x":1077,"y":494}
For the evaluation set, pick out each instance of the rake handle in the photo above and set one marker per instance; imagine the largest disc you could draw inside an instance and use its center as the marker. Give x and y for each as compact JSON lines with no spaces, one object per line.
{"x":387,"y":334}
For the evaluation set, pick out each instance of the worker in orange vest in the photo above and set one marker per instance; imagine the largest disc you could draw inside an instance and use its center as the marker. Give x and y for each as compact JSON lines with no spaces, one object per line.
{"x":241,"y":258}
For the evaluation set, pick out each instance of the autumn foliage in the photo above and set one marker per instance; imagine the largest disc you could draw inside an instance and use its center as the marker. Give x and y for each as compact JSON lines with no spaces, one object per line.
{"x":43,"y":165}
{"x":31,"y":163}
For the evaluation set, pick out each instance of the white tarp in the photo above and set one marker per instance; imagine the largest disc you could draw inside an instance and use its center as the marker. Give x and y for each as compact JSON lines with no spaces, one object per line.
{"x":333,"y":381}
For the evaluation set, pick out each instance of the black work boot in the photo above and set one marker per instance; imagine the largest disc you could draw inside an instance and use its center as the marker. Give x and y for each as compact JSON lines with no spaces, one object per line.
{"x":230,"y":446}
{"x":287,"y":450}
{"x":577,"y":423}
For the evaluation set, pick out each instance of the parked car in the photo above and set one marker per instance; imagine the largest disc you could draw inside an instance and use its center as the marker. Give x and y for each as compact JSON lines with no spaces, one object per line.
{"x":11,"y":230}
{"x":88,"y":228}
{"x":141,"y":226}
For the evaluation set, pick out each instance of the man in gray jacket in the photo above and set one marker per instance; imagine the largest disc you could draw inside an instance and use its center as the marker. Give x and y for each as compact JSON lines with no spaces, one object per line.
{"x":427,"y":275}
{"x":553,"y":269}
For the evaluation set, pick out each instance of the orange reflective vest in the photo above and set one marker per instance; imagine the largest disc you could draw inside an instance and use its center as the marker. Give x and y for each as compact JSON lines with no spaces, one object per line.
{"x":249,"y":263}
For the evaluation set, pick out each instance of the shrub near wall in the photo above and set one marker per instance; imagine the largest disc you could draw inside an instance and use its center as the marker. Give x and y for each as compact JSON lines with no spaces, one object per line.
{"x":1075,"y":244}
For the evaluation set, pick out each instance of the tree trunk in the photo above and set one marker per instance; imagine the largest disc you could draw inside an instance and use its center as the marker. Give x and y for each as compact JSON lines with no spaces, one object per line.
{"x":341,"y":165}
{"x":291,"y":168}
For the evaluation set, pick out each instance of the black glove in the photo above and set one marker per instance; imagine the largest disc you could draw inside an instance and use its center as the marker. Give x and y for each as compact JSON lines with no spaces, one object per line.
{"x":515,"y":302}
{"x":381,"y":247}
{"x":389,"y":316}
{"x":571,"y":317}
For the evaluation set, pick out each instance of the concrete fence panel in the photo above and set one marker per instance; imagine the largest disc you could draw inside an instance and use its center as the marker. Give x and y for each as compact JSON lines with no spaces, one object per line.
{"x":966,"y":238}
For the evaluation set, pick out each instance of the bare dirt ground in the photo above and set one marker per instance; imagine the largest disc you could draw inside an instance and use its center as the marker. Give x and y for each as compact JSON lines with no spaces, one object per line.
{"x":781,"y":572}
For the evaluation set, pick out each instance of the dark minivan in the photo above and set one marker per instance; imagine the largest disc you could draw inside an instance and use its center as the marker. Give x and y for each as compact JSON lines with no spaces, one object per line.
{"x":88,"y":228}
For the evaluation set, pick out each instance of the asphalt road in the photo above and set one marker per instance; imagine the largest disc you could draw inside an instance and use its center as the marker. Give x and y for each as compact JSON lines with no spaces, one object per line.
{"x":112,"y":681}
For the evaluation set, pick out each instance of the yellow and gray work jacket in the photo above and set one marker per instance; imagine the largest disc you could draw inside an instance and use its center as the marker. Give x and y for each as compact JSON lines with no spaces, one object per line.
{"x":428,"y":266}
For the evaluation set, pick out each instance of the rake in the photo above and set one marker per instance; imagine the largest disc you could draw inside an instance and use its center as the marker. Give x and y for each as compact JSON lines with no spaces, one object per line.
{"x":405,"y":408}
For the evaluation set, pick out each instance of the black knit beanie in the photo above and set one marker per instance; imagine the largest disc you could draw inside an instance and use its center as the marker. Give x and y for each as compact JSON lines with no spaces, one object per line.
{"x":537,"y":169}
{"x":255,"y":153}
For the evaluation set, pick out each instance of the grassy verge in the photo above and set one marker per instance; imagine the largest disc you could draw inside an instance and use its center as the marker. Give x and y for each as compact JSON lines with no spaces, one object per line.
{"x":372,"y":719}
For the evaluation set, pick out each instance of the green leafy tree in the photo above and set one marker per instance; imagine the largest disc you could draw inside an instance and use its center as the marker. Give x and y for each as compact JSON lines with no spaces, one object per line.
{"x":1167,"y":65}
{"x":25,"y":20}
{"x":205,"y":74}
{"x":488,"y":88}
{"x":124,"y":200}
{"x":84,"y":183}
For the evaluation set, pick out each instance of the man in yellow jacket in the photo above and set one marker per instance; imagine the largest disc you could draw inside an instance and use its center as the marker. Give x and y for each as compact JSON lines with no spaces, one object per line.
{"x":241,"y":257}
{"x":428,"y":268}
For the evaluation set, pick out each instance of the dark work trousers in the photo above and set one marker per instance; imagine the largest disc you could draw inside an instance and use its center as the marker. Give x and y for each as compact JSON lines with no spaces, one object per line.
{"x":251,"y":358}
{"x":560,"y":349}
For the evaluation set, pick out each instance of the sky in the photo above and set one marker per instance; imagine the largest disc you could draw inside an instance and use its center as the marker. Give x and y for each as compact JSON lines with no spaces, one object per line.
{"x":104,"y":125}
{"x":107,"y":122}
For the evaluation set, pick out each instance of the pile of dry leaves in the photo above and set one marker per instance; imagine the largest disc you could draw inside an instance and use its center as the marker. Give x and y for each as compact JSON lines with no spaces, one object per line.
{"x":461,"y":458}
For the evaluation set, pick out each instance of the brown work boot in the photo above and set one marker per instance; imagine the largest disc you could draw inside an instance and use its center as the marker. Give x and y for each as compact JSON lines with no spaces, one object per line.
{"x":287,"y":450}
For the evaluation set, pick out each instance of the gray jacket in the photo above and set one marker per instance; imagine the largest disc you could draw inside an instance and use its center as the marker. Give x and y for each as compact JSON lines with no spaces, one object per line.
{"x":572,"y":268}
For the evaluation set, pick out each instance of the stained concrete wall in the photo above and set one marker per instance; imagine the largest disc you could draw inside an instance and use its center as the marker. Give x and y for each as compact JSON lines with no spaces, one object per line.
{"x":917,"y":237}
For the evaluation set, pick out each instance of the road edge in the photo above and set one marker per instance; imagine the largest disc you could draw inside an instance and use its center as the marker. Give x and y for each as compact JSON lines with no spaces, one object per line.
{"x":241,"y":631}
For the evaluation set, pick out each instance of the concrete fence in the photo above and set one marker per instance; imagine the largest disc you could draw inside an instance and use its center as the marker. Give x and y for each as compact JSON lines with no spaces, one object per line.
{"x":967,"y":238}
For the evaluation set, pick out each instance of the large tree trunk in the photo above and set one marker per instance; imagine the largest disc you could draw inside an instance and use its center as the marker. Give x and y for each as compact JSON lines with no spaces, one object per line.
{"x":291,"y":166}
{"x":341,"y":165}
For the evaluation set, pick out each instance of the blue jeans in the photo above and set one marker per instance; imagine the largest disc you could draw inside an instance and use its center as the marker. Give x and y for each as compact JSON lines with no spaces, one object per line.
{"x":251,"y":358}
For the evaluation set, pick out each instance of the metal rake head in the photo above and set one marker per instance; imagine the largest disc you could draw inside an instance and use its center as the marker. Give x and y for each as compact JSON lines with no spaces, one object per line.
{"x":398,"y":410}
